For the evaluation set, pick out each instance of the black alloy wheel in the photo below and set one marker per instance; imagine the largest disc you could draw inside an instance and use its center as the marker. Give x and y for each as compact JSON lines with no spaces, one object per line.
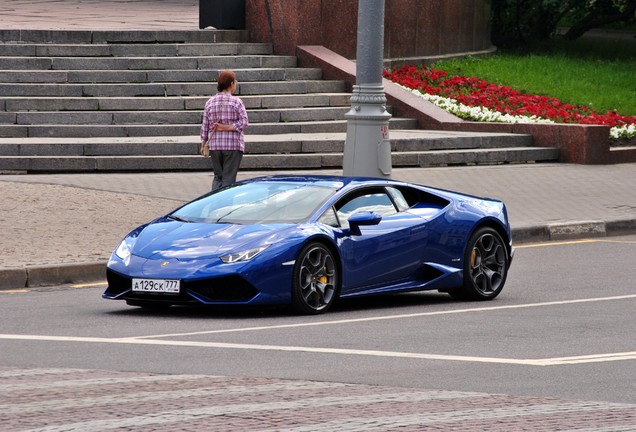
{"x":315,"y":280}
{"x":485,"y":266}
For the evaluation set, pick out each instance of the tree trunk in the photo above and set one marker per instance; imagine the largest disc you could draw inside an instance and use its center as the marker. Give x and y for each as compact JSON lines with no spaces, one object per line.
{"x":593,"y":20}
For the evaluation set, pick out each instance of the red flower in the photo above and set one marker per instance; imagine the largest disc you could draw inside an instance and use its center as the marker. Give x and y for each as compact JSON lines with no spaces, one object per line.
{"x":472,"y":91}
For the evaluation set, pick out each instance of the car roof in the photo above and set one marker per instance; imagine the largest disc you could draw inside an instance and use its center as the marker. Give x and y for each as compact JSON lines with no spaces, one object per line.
{"x":343,"y":183}
{"x":332,"y":181}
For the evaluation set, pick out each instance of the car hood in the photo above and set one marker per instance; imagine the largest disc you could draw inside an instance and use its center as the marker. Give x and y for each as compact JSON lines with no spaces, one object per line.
{"x":166,"y":238}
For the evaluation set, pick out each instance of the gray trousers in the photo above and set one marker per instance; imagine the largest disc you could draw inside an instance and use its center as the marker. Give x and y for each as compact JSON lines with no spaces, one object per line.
{"x":225,"y":164}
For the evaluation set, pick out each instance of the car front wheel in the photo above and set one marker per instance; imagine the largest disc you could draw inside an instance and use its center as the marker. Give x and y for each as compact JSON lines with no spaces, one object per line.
{"x":315,"y":280}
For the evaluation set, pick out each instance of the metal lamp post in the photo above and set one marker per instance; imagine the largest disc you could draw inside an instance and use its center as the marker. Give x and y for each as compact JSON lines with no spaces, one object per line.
{"x":367,"y":149}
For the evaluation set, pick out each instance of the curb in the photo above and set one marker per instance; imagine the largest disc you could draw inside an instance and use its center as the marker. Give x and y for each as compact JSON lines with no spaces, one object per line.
{"x":39,"y":276}
{"x":49,"y":275}
{"x":574,"y":230}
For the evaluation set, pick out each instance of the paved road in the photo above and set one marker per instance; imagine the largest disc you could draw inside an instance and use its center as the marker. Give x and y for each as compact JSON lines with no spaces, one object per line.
{"x":554,"y":352}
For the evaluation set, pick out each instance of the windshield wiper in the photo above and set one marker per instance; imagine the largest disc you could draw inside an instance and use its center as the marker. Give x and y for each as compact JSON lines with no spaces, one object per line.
{"x":178,"y":218}
{"x":222,"y":222}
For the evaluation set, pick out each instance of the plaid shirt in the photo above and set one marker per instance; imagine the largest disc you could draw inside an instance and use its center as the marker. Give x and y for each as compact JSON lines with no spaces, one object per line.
{"x":224,"y":108}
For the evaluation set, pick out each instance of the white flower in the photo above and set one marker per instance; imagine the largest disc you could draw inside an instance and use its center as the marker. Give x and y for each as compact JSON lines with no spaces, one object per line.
{"x":486,"y":115}
{"x":626,"y":131}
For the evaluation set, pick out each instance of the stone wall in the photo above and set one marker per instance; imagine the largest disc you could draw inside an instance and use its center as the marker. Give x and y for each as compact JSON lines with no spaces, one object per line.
{"x":413,"y":28}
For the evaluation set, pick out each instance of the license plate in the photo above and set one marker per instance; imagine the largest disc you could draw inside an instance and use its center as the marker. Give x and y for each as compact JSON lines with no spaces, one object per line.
{"x":170,"y":286}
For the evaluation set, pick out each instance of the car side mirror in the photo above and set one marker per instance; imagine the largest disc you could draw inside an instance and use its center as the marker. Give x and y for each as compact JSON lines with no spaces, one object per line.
{"x":363,"y":218}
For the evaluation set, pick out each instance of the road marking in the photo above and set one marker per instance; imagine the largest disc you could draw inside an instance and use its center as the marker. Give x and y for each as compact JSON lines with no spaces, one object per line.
{"x":13,"y":291}
{"x":556,"y":361}
{"x":154,"y":340}
{"x":87,"y":285}
{"x":572,"y":242}
{"x":392,"y":317}
{"x":560,"y":243}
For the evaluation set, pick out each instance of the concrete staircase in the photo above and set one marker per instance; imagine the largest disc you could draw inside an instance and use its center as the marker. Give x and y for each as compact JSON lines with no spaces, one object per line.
{"x":86,"y":101}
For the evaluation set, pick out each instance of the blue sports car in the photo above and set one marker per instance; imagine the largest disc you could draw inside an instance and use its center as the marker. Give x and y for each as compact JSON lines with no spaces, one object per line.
{"x":308,"y":241}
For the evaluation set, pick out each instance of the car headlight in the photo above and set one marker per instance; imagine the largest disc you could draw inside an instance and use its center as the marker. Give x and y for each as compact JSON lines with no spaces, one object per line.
{"x":245,"y":255}
{"x":123,"y":251}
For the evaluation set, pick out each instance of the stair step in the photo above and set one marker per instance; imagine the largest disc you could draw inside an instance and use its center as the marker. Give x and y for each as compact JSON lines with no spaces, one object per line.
{"x":153,"y":76}
{"x":166,"y":117}
{"x":34,"y":164}
{"x":402,"y":141}
{"x":139,"y":130}
{"x":146,"y":63}
{"x":35,"y":103}
{"x":134,"y":50}
{"x":124,"y":36}
{"x":168,"y":89}
{"x":475,"y":156}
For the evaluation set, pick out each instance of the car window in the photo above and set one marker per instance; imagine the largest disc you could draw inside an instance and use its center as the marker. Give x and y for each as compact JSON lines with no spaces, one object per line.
{"x":256,"y":203}
{"x":329,"y":218}
{"x":372,"y":200}
{"x":399,"y":199}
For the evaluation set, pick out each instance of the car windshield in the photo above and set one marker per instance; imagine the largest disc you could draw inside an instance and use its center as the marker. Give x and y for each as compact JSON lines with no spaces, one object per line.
{"x":256,"y":203}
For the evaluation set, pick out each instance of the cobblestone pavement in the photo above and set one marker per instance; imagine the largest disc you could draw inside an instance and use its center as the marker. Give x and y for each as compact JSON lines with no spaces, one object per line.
{"x":69,"y":400}
{"x":100,"y":14}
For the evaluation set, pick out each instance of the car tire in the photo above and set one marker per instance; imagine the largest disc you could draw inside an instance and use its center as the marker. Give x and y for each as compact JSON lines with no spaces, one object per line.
{"x":486,"y":263}
{"x":315,"y":280}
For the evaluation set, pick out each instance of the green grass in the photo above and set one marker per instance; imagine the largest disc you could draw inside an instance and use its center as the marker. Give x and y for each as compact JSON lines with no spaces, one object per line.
{"x":598,"y":74}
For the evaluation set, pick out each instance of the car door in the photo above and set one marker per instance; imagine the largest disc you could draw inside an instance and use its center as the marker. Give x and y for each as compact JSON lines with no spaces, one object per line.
{"x":382,"y":254}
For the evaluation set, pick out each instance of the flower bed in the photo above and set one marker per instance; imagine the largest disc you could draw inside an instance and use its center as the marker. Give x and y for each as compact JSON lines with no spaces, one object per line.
{"x":477,"y":100}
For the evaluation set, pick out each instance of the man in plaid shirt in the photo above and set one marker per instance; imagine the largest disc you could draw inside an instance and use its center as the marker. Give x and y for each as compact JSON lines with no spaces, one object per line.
{"x":224,"y":120}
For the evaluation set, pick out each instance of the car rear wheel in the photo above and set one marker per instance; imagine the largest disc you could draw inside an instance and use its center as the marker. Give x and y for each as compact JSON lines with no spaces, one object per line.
{"x":485,"y":266}
{"x":314,"y":287}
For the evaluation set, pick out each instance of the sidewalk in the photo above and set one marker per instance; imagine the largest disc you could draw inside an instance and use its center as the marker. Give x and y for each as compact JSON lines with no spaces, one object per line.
{"x":99,"y":15}
{"x":62,"y":228}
